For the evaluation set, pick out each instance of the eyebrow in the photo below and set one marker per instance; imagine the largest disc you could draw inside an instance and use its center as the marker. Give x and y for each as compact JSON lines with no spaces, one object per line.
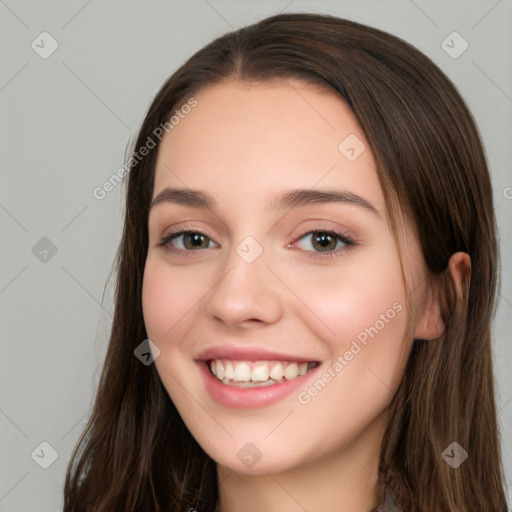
{"x":289,"y":200}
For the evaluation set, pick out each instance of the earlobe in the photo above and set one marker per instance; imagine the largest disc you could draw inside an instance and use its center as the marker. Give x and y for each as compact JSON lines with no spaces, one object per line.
{"x":429,"y":323}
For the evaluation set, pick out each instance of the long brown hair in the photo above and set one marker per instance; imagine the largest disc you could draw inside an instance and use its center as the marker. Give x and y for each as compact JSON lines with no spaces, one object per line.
{"x":136,"y":454}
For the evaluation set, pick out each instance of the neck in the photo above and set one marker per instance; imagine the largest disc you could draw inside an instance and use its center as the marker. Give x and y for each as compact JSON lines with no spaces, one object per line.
{"x":345,"y":480}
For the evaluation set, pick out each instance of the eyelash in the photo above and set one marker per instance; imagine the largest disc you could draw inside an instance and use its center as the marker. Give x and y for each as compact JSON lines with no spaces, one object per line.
{"x":347,"y":241}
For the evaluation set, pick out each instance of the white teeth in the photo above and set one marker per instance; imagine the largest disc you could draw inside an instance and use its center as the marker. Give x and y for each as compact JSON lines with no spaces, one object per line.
{"x":249,"y":384}
{"x":228,"y":371}
{"x":277,"y":372}
{"x":261,"y":373}
{"x":291,"y":371}
{"x":220,"y":370}
{"x":242,"y":372}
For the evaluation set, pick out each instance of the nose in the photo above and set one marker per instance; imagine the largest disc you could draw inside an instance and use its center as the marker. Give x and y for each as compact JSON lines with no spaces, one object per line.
{"x":246,"y":293}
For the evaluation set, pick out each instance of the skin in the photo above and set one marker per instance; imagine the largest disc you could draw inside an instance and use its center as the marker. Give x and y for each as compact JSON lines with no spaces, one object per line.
{"x":243,"y":144}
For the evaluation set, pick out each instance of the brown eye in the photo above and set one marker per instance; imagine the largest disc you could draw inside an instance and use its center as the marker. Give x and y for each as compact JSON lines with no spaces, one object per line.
{"x":323,"y":241}
{"x":186,"y":240}
{"x":195,"y":241}
{"x":323,"y":244}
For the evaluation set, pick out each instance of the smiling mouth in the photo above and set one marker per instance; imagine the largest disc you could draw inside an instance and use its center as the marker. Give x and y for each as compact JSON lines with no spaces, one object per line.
{"x":249,"y":374}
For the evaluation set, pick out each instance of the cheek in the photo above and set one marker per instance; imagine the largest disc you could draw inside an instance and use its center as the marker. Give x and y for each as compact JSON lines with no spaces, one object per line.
{"x":368,"y":306}
{"x":343,"y":302}
{"x":359,"y":311}
{"x":168,"y":295}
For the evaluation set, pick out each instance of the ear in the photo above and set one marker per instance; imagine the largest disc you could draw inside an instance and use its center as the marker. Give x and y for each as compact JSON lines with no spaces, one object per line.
{"x":429,"y":323}
{"x":459,"y":267}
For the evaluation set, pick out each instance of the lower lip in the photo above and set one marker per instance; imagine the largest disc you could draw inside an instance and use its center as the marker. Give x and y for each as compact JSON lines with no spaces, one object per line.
{"x":249,"y":398}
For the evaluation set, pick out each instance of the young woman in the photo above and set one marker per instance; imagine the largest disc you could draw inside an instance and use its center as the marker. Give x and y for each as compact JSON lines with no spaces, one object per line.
{"x":309,"y":245}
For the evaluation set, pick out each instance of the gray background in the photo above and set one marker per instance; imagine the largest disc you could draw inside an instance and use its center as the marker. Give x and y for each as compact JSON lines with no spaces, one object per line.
{"x":65,"y":124}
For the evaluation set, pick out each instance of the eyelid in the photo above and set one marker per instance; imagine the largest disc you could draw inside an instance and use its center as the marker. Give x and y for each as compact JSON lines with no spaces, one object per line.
{"x":325,"y":226}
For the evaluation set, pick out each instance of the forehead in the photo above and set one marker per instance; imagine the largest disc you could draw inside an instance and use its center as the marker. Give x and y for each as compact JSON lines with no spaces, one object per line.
{"x":257,"y":138}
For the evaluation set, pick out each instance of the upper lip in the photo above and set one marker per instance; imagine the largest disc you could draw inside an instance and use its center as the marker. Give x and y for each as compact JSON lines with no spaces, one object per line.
{"x":237,"y":353}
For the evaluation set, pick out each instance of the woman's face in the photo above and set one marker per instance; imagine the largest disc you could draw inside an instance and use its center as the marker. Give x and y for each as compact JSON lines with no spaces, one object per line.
{"x":289,"y":266}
